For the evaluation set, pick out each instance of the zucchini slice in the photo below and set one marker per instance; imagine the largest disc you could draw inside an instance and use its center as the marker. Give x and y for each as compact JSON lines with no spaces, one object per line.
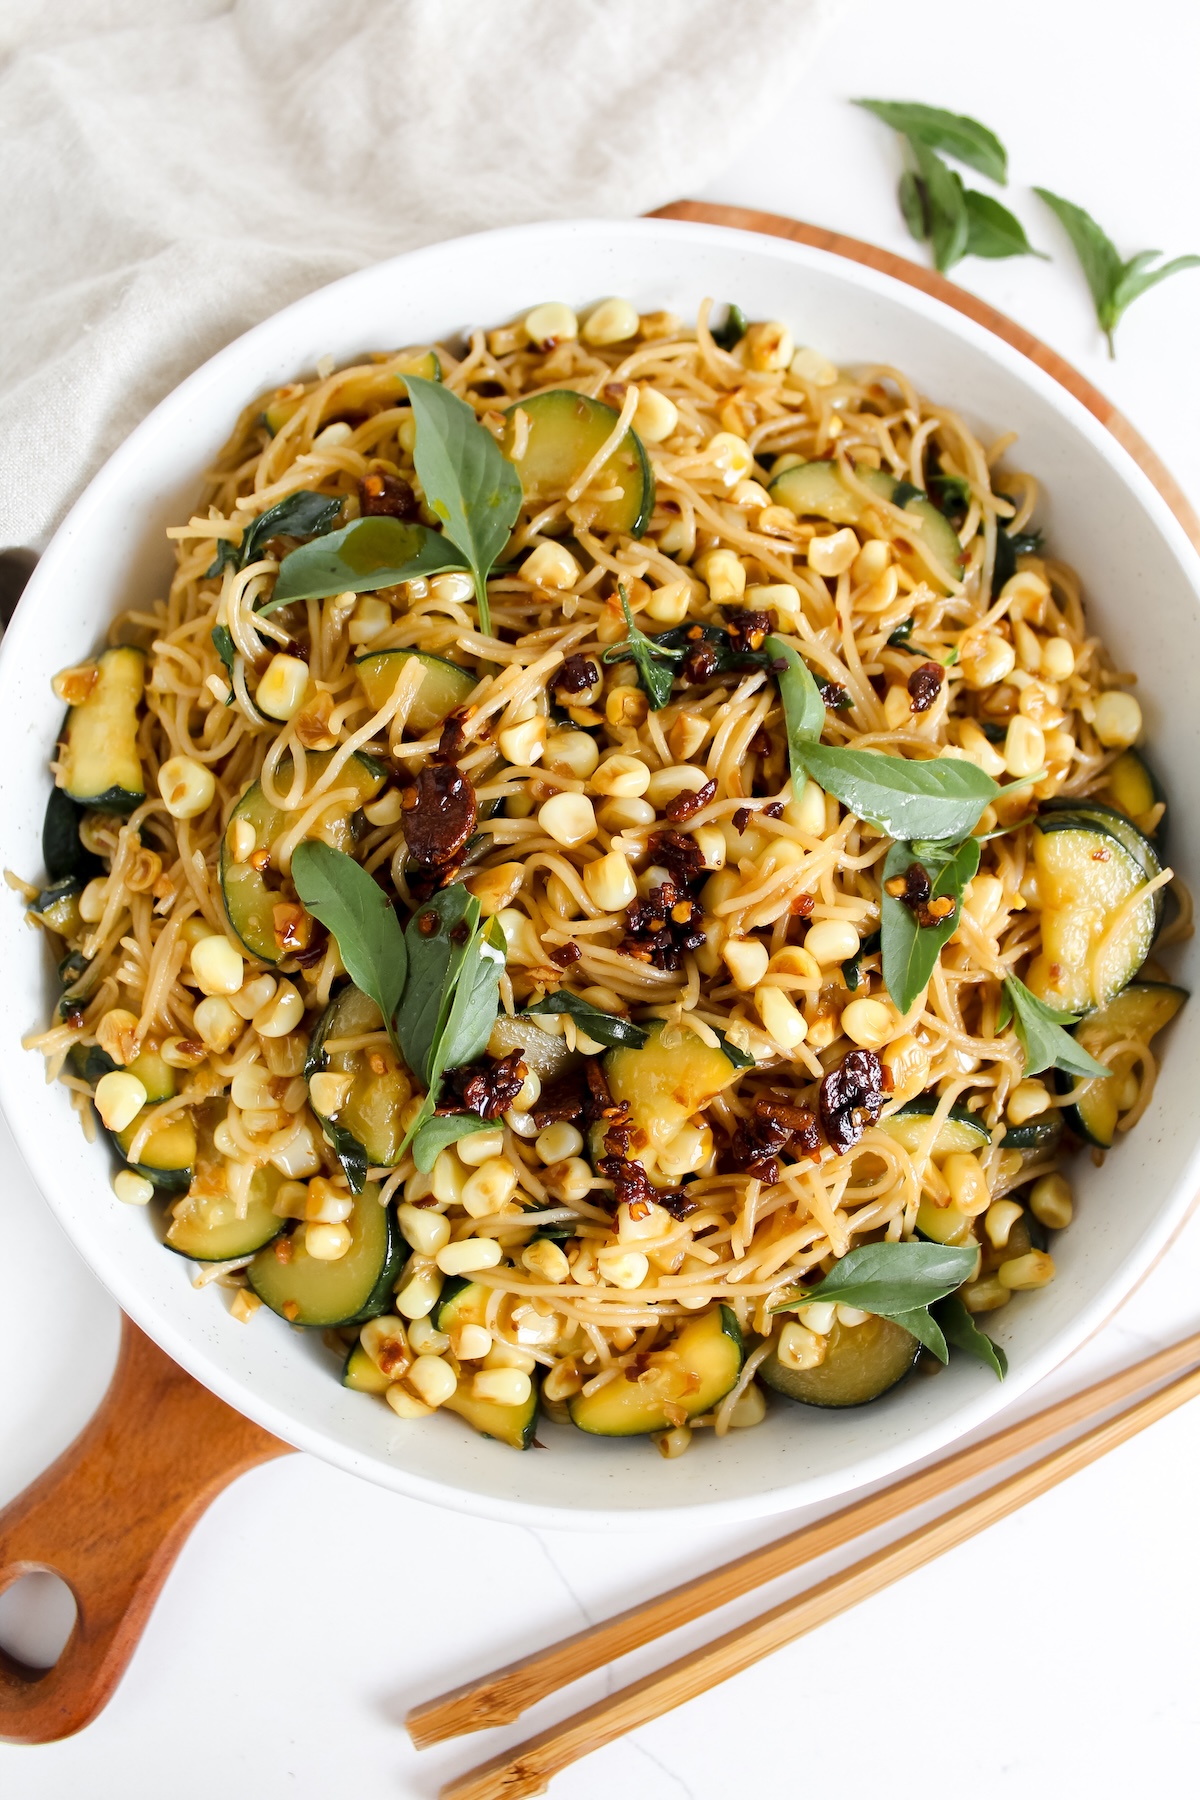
{"x":1127,"y":834}
{"x":461,"y":1302}
{"x":861,"y":1363}
{"x":547,"y":1055}
{"x":357,"y":1287}
{"x":943,"y":1224}
{"x":98,"y":764}
{"x":62,"y":848}
{"x":361,"y":1374}
{"x":816,"y":490}
{"x":370,"y":1114}
{"x":1093,"y":941}
{"x":1039,"y":1135}
{"x":961,"y":1130}
{"x":564,"y":432}
{"x":385,"y":383}
{"x":58,"y":907}
{"x":1130,"y":785}
{"x":1141,"y":1011}
{"x":211,"y":1229}
{"x":169,"y":1155}
{"x":511,"y":1425}
{"x":251,"y":894}
{"x":444,"y":687}
{"x":665,"y":1086}
{"x":693,"y":1372}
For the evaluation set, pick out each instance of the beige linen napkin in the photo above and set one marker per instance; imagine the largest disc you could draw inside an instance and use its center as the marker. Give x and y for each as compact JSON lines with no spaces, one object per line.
{"x":175,"y":172}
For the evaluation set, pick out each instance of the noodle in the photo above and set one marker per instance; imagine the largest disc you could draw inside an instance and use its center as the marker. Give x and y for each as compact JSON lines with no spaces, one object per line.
{"x":601,"y":1295}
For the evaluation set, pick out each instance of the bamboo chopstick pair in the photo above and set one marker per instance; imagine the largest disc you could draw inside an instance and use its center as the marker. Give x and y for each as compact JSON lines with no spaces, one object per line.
{"x":502,"y":1696}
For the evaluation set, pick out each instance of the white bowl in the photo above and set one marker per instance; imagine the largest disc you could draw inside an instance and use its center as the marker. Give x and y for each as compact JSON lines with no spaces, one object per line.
{"x":1100,"y":513}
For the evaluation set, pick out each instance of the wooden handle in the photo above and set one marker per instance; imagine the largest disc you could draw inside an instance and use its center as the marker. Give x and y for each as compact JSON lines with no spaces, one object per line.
{"x":528,"y":1768}
{"x":502,"y":1696}
{"x":110,"y":1517}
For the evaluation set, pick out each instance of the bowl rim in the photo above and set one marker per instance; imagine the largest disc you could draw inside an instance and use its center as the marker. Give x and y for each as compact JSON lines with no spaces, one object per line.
{"x":203,"y":1359}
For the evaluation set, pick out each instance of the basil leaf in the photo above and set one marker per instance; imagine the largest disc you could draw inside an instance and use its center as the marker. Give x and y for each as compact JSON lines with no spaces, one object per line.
{"x":442,"y":1130}
{"x":949,"y":223}
{"x":226,"y":649}
{"x":339,"y":892}
{"x":993,"y":231}
{"x":302,"y":514}
{"x":654,"y":662}
{"x":1040,"y":1033}
{"x":349,"y":1153}
{"x":468,"y":481}
{"x":964,"y":1334}
{"x":365,"y":555}
{"x":897,"y":1282}
{"x":434,"y":959}
{"x":924,"y":1328}
{"x":729,"y":657}
{"x":1114,"y":284}
{"x":741,"y":1059}
{"x":914,"y":206}
{"x":605,"y":1027}
{"x":904,"y":491}
{"x":852,"y":967}
{"x":803,"y":707}
{"x":476,"y":1000}
{"x":960,"y":137}
{"x":1010,"y":545}
{"x":936,"y":800}
{"x":732,"y":331}
{"x":904,"y":630}
{"x":911,"y":950}
{"x":952,"y":493}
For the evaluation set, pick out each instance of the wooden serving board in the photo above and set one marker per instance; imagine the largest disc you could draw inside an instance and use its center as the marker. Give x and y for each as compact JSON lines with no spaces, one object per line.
{"x":112,"y":1514}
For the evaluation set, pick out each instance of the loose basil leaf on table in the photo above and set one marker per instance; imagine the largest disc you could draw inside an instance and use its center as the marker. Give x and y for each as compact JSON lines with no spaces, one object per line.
{"x":444,"y":1129}
{"x":895,"y":1281}
{"x":962,"y":1333}
{"x":468,"y":481}
{"x":363,"y":556}
{"x":435,"y":956}
{"x":655,"y":663}
{"x":945,"y":206}
{"x":606,"y":1028}
{"x":937,"y":800}
{"x":303,"y":514}
{"x":913,"y":206}
{"x":1114,"y":284}
{"x":993,"y":231}
{"x":910,"y":949}
{"x":339,"y":892}
{"x":1040,"y":1033}
{"x":956,"y":135}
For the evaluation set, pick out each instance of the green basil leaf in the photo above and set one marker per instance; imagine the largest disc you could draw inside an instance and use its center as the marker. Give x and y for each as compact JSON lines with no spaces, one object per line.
{"x":226,"y":649}
{"x":1114,"y":284}
{"x":911,"y":950}
{"x":476,"y":1000}
{"x":444,"y":1129}
{"x":741,"y":1059}
{"x":605,"y":1027}
{"x":349,"y":1153}
{"x":937,"y":800}
{"x":852,"y":967}
{"x":904,"y":630}
{"x":803,"y":707}
{"x":1010,"y":545}
{"x":1040,"y":1033}
{"x":904,"y":491}
{"x":924,"y":1327}
{"x":339,"y":892}
{"x":434,"y":959}
{"x":958,"y":136}
{"x":729,"y":657}
{"x":468,"y":481}
{"x":365,"y":555}
{"x":964,"y":1334}
{"x":891,"y":1278}
{"x":951,"y":493}
{"x":302,"y":514}
{"x":653,"y":660}
{"x":993,"y":231}
{"x":949,"y":223}
{"x":1137,"y":278}
{"x":732,"y":331}
{"x":914,"y":206}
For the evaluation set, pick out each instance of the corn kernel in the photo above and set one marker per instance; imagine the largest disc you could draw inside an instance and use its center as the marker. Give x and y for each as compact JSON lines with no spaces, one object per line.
{"x":987,"y":660}
{"x":132,"y":1188}
{"x":621,"y":777}
{"x":656,"y":416}
{"x":470,"y":1343}
{"x":986,"y":1295}
{"x":672,"y":1443}
{"x":572,"y":753}
{"x":427,"y":1231}
{"x":686,"y":1150}
{"x":550,"y":565}
{"x":1118,"y":721}
{"x":119,"y":1097}
{"x":669,"y":605}
{"x":418,"y":1293}
{"x":746,"y":960}
{"x":611,"y":322}
{"x":624,"y":1268}
{"x":372,"y":616}
{"x":404,"y":1404}
{"x":1027,"y":1100}
{"x":558,"y":1140}
{"x":282,"y":1013}
{"x":489,"y":1188}
{"x":216,"y":1024}
{"x":1058,"y":659}
{"x":832,"y":941}
{"x":523,"y":744}
{"x":807,"y":813}
{"x":570,"y":819}
{"x":426,"y":1339}
{"x":833,"y":553}
{"x":433,"y":1379}
{"x":187,"y":787}
{"x":799,"y":1348}
{"x":551,"y":323}
{"x":217,"y":966}
{"x":724,"y":574}
{"x":810,"y":365}
{"x":92,"y":900}
{"x":503,"y":1387}
{"x":869,"y":1023}
{"x":469,"y":1254}
{"x":1024,"y":747}
{"x":478,"y":1146}
{"x":781,"y":1020}
{"x":326,"y":1204}
{"x":999,"y":1220}
{"x":328,"y":1092}
{"x":967,"y":1183}
{"x":731,"y":454}
{"x":386,"y":810}
{"x":546,"y":1259}
{"x":280,"y":693}
{"x":1033,"y":1270}
{"x":1051,"y":1202}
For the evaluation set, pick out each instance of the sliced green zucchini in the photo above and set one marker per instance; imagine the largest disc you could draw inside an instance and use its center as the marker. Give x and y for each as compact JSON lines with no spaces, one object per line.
{"x":943,"y":1224}
{"x":1093,"y":941}
{"x":1130,"y":785}
{"x":211,"y":1229}
{"x":1040,"y":1134}
{"x":385,"y":383}
{"x":511,"y":1425}
{"x":58,"y":907}
{"x":861,"y":1363}
{"x":370,"y":1114}
{"x":816,"y":490}
{"x":98,"y":764}
{"x":1141,"y":1011}
{"x":693,"y":1372}
{"x":63,"y":851}
{"x":1127,"y":834}
{"x":961,"y":1130}
{"x":169,"y":1154}
{"x":248,"y":893}
{"x":564,"y":431}
{"x":357,"y":1287}
{"x":461,"y":1302}
{"x":665,"y":1086}
{"x":362,"y":1374}
{"x":444,"y":687}
{"x":548,"y":1056}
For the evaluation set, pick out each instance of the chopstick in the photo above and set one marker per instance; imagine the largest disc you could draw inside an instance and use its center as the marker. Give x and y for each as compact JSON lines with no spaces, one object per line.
{"x":527,"y":1768}
{"x":503,"y":1695}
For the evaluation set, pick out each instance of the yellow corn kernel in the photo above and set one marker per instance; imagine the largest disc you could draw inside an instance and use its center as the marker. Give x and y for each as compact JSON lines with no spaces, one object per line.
{"x":724,"y":574}
{"x":216,"y":1024}
{"x":611,"y":322}
{"x":768,"y":346}
{"x":572,"y":753}
{"x":523,"y":744}
{"x":809,"y":365}
{"x":1024,"y":747}
{"x":132,"y":1188}
{"x":1058,"y":659}
{"x":672,"y":1443}
{"x":402,"y":1403}
{"x":489,"y":1188}
{"x":280,"y":693}
{"x":781,"y":1021}
{"x":546,"y":1260}
{"x":1118,"y":721}
{"x":999,"y":1220}
{"x":467,"y":1255}
{"x":282,"y":1012}
{"x":833,"y":553}
{"x":570,"y":819}
{"x":427,"y":1231}
{"x":623,"y":1268}
{"x":799,"y":1348}
{"x":372,"y":616}
{"x":869,"y":1023}
{"x":187,"y":787}
{"x":986,"y":659}
{"x":503,"y":1387}
{"x":1027,"y":1100}
{"x":1033,"y":1270}
{"x":1051,"y":1202}
{"x":746,"y":960}
{"x":621,"y":777}
{"x":327,"y":1243}
{"x":479,"y":1146}
{"x":656,"y":416}
{"x":550,"y":324}
{"x":433,"y":1379}
{"x":832,"y":941}
{"x":668,"y":605}
{"x":550,"y":565}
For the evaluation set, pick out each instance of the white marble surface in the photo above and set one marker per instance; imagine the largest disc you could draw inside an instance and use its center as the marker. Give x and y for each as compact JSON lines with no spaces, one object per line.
{"x":1054,"y":1655}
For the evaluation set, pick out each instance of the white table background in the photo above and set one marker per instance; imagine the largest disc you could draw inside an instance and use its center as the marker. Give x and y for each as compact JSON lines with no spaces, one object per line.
{"x":1057,"y":1654}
